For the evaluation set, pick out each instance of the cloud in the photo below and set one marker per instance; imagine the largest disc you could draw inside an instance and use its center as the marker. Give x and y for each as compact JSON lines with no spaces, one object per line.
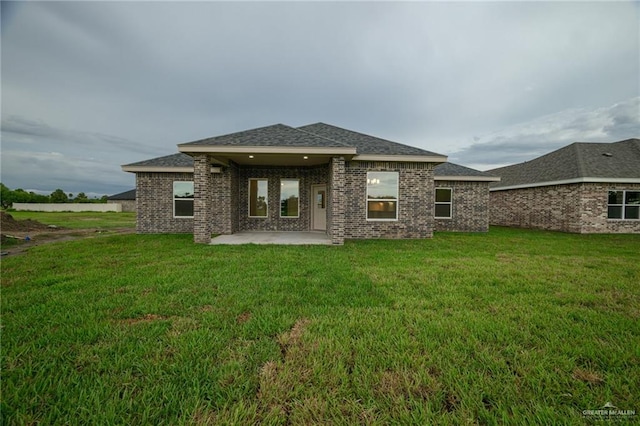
{"x":126,"y":81}
{"x":46,"y":171}
{"x":31,"y":130}
{"x":531,"y":139}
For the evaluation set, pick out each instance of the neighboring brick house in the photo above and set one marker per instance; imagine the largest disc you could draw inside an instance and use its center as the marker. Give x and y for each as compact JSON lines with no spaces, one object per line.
{"x":316,"y":177}
{"x":581,"y":188}
{"x":126,"y":199}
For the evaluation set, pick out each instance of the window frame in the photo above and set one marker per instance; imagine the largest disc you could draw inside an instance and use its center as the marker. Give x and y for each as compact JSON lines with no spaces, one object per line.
{"x":174,"y":199}
{"x":280,"y":200}
{"x":623,"y":206}
{"x":449,"y":203}
{"x":396,"y":200}
{"x":249,"y":198}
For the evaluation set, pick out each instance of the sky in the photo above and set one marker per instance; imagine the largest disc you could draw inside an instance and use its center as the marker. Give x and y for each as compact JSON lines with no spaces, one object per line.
{"x":90,"y":86}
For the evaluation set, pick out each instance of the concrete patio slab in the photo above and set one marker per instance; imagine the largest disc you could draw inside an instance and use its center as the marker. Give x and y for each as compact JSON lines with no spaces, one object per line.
{"x":283,"y":238}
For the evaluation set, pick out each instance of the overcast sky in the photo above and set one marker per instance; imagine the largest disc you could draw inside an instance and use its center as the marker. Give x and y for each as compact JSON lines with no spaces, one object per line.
{"x":89,"y":86}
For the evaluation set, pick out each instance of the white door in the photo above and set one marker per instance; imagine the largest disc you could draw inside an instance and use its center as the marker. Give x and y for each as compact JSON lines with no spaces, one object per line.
{"x":319,"y":207}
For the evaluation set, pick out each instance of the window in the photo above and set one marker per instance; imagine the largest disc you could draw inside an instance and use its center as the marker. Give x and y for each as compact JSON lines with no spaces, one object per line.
{"x":258,"y":197}
{"x":289,"y":198}
{"x":382,"y":195}
{"x":182,"y":199}
{"x":443,"y":203}
{"x":624,"y":205}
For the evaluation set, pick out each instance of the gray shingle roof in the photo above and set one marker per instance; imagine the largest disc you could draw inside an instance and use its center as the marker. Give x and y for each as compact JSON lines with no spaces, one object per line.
{"x":276,"y":135}
{"x":364,"y":144}
{"x":452,"y":169}
{"x":173,"y":160}
{"x":127,"y":195}
{"x":578,"y":160}
{"x":317,"y":135}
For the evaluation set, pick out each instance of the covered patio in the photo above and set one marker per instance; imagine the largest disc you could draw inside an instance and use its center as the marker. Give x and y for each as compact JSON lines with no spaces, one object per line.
{"x":278,"y":238}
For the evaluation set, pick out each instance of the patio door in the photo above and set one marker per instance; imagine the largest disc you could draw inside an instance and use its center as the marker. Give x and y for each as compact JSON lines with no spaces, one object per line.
{"x":319,"y":207}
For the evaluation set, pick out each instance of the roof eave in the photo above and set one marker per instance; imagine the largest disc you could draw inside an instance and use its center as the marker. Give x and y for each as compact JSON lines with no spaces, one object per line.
{"x":567,"y":182}
{"x":132,"y":168}
{"x":402,"y":158}
{"x":226,"y":149}
{"x":469,"y":178}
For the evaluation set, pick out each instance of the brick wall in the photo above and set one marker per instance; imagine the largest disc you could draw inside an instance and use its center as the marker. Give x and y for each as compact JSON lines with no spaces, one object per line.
{"x":594,"y":200}
{"x":203,"y":185}
{"x":337,"y":201}
{"x":307,"y":176}
{"x":224,"y":218}
{"x":154,"y":192}
{"x":470,"y":207}
{"x":415,"y":204}
{"x":579,"y":208}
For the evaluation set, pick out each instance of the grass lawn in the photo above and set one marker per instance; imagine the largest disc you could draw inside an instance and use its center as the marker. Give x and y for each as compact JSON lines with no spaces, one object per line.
{"x":510,"y":327}
{"x":81,"y":220}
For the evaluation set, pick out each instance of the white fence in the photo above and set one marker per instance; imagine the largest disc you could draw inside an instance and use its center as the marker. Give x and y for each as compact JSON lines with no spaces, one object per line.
{"x":67,"y":207}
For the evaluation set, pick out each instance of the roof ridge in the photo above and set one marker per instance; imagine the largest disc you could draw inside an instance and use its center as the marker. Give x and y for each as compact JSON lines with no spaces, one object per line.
{"x":236,"y":133}
{"x":363,"y":134}
{"x":579,"y":159}
{"x":320,"y":136}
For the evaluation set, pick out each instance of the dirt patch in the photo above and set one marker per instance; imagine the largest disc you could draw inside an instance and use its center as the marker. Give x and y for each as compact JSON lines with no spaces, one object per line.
{"x":18,"y":236}
{"x":8,"y":225}
{"x":243,"y":317}
{"x":587,"y":376}
{"x":292,"y":337}
{"x":146,"y":318}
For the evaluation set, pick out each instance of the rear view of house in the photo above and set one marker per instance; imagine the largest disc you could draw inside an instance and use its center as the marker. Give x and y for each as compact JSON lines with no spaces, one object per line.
{"x":582,"y":188}
{"x":312,"y":178}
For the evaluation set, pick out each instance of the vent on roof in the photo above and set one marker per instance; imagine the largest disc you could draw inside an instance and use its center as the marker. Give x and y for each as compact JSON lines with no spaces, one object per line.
{"x":607,"y":154}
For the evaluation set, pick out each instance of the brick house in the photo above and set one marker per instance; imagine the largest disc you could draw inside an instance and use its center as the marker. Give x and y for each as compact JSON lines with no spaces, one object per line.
{"x":581,"y":188}
{"x":312,"y":178}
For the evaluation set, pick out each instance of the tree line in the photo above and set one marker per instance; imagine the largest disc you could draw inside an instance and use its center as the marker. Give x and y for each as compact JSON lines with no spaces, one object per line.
{"x":10,"y":196}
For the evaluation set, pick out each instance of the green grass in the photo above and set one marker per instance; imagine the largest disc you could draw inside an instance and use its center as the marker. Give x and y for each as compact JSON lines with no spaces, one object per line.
{"x":510,"y":327}
{"x":81,"y":220}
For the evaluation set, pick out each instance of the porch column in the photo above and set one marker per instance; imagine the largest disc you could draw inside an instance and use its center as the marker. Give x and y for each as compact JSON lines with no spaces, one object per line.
{"x":338,"y":200}
{"x":202,"y":201}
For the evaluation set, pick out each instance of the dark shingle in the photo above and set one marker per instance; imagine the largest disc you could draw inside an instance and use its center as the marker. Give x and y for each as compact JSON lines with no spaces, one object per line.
{"x":127,"y":195}
{"x":173,"y":160}
{"x":578,"y":160}
{"x":452,"y":169}
{"x":276,"y":135}
{"x":364,"y":144}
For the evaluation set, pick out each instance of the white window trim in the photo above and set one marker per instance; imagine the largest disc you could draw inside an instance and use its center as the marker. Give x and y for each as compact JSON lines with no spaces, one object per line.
{"x":280,"y":205}
{"x":450,"y":203}
{"x":397,"y":201}
{"x":622,"y":206}
{"x":266,"y":216}
{"x":174,"y":199}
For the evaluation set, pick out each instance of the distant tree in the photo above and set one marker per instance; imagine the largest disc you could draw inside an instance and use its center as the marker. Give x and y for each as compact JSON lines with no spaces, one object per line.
{"x":6,"y":196}
{"x":38,"y":198}
{"x":104,"y":198}
{"x":58,"y":196}
{"x":81,"y":198}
